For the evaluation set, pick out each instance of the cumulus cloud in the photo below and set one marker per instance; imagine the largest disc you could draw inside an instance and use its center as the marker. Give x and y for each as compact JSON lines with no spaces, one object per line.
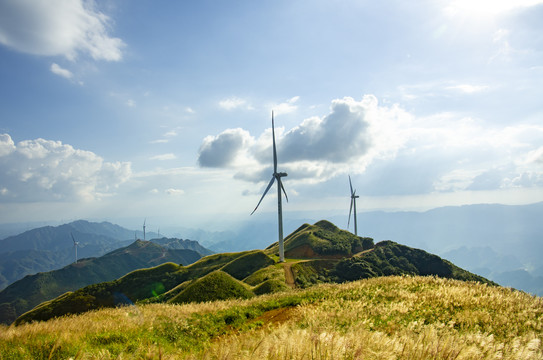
{"x":56,"y":69}
{"x":337,"y":137}
{"x":58,"y":27}
{"x":45,"y":170}
{"x":398,"y":152}
{"x":7,"y":146}
{"x":317,"y":149}
{"x":223,"y":149}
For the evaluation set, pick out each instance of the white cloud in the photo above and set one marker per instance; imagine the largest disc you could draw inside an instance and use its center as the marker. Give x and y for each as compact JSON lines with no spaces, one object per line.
{"x":352,"y":134}
{"x":175,"y":192}
{"x":56,"y":69}
{"x":7,"y":146}
{"x":162,"y":157}
{"x":222,"y":150}
{"x":42,"y":170}
{"x":287,"y":106}
{"x":397,"y":152}
{"x":468,"y":88}
{"x":130,"y":103}
{"x":232,"y":103}
{"x":58,"y":27}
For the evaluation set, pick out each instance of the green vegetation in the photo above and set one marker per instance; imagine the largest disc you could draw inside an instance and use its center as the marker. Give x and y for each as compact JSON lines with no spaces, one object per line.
{"x":389,"y":258}
{"x":247,"y":264}
{"x":322,"y":239}
{"x":215,"y":286}
{"x":32,"y":290}
{"x":167,"y":282}
{"x":249,"y":273}
{"x":396,"y":317}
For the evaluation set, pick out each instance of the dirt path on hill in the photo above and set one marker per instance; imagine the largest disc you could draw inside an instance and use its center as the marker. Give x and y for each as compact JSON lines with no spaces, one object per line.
{"x":363,"y":252}
{"x":289,"y":276}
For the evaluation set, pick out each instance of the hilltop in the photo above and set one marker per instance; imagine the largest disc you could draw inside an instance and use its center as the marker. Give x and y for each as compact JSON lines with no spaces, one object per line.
{"x":32,"y":290}
{"x":395,"y":317}
{"x":316,"y":254}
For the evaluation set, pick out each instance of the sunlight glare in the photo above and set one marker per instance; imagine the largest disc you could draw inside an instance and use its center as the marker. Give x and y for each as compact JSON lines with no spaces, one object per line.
{"x":486,"y":8}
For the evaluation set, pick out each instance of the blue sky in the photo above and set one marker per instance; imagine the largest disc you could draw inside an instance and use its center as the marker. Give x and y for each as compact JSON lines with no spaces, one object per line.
{"x":134,"y":109}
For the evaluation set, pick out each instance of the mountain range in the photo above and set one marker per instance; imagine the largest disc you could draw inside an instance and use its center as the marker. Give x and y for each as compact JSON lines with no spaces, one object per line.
{"x":316,"y":254}
{"x":48,"y":248}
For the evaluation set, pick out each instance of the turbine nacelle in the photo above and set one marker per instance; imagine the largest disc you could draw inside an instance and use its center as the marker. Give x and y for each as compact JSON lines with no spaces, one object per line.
{"x":281,"y":174}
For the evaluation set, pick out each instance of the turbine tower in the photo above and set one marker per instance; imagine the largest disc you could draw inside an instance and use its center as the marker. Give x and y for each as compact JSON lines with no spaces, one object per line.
{"x":144,"y":229}
{"x":75,"y":246}
{"x":276,"y":176}
{"x":353,"y":204}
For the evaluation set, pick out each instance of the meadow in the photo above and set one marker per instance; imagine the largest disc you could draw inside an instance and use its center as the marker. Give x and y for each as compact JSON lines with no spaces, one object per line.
{"x":396,"y":317}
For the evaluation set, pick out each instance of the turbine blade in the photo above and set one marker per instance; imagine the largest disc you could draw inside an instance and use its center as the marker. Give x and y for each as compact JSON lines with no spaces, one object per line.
{"x":274,"y":149}
{"x":350,"y":211}
{"x":351,"y":185}
{"x":72,"y":237}
{"x":282,"y":187}
{"x":265,"y":192}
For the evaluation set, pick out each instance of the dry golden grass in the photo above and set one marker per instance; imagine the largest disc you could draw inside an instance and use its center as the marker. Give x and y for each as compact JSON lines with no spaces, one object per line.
{"x":381,"y":318}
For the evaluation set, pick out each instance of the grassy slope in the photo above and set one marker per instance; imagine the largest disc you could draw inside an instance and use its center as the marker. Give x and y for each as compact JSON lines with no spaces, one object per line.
{"x":259,"y":274}
{"x":159,"y":284}
{"x":32,"y":290}
{"x":379,"y":318}
{"x":325,"y":239}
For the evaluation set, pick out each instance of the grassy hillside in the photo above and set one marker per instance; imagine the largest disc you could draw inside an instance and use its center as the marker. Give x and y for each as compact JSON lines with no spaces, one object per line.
{"x":323,"y":239}
{"x":158,"y":284}
{"x":396,"y":317}
{"x":32,"y":290}
{"x":255,"y":272}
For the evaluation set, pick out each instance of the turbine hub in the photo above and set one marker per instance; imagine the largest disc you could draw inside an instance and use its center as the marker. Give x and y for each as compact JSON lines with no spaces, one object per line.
{"x":281,"y":174}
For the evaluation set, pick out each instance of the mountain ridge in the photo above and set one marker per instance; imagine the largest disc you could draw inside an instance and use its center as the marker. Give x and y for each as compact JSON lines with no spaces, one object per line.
{"x":51,"y":247}
{"x":256,"y":271}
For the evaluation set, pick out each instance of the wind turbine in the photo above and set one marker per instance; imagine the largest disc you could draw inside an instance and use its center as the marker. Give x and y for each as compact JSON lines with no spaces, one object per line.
{"x":353,"y":204}
{"x":276,"y":176}
{"x":144,"y":228}
{"x":75,"y":246}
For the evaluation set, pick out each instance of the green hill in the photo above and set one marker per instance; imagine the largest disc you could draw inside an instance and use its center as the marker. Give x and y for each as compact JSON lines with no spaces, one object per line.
{"x":217,"y":285}
{"x":316,"y":253}
{"x":32,"y":290}
{"x":323,"y":239}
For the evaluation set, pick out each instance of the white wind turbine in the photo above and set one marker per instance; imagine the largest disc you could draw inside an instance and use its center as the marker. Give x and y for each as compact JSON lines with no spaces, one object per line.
{"x":76,"y":243}
{"x":353,"y":204}
{"x":276,"y":176}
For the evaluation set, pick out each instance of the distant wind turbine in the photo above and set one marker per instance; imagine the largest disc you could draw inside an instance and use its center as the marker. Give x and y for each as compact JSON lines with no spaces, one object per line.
{"x":75,"y":246}
{"x":144,"y":229}
{"x":353,"y":204}
{"x":276,"y":176}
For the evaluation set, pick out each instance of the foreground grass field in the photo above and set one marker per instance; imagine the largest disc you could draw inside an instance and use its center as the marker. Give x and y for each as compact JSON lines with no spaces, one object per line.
{"x":379,"y":318}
